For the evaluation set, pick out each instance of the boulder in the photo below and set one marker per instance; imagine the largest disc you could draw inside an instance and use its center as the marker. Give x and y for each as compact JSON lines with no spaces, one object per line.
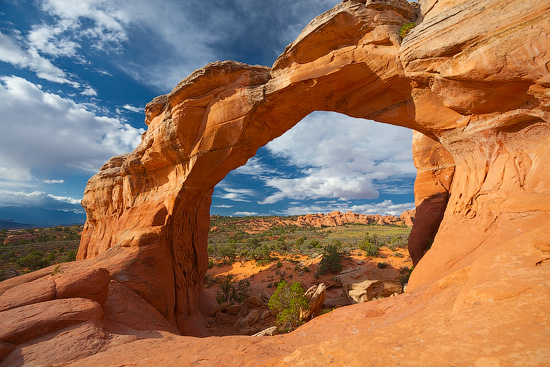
{"x":315,"y":296}
{"x":265,"y":314}
{"x":233,"y":309}
{"x":358,"y":288}
{"x":249,"y":320}
{"x":39,"y":290}
{"x":223,"y":318}
{"x":254,"y":301}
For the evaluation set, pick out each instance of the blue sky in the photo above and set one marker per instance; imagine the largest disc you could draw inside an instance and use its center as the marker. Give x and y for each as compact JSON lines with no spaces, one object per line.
{"x":75,"y":77}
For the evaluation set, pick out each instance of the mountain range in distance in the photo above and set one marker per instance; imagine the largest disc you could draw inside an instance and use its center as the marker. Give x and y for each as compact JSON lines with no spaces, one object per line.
{"x":15,"y":217}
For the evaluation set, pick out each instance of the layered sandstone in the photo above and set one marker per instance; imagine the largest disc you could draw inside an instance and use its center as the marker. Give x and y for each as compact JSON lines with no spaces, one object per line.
{"x":473,"y":78}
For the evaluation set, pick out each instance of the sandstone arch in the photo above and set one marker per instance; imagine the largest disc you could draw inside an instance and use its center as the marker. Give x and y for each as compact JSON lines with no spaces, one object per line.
{"x":473,"y":78}
{"x":150,"y":208}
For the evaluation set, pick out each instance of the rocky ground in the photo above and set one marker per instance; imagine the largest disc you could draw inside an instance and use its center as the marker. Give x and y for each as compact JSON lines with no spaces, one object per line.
{"x":357,"y":266}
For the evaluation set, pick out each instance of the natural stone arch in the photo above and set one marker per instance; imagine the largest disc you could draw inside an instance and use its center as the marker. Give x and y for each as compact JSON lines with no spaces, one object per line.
{"x":148,"y":211}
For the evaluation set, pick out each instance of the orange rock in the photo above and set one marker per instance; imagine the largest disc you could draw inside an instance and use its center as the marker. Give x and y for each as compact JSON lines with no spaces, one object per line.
{"x":472,"y":77}
{"x":28,"y":322}
{"x":40,"y":290}
{"x":88,"y":283}
{"x":125,"y":307}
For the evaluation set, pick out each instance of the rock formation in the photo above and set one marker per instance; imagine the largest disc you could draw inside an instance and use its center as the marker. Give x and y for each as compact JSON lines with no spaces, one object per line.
{"x":472,"y":79}
{"x":337,"y":219}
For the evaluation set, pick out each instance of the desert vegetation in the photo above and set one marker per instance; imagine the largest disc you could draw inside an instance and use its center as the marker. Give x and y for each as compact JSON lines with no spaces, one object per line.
{"x":273,"y":259}
{"x":26,"y":250}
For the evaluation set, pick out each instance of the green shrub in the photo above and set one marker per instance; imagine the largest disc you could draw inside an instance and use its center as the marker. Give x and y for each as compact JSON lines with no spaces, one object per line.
{"x":71,"y":256}
{"x":331,"y":260}
{"x":231,"y":290}
{"x":288,"y":302}
{"x":383,"y":265}
{"x":34,"y":260}
{"x":371,"y":245}
{"x":405,"y":28}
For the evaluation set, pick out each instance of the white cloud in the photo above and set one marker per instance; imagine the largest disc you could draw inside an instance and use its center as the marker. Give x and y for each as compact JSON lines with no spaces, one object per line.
{"x":37,"y":199}
{"x":53,"y":181}
{"x":15,"y":173}
{"x":89,"y":91}
{"x":106,"y":30}
{"x":387,"y":207}
{"x":133,"y":108}
{"x":245,"y":214}
{"x":340,"y":157}
{"x":243,"y":195}
{"x":11,"y":51}
{"x":50,"y":40}
{"x":42,"y":130}
{"x":254,"y":167}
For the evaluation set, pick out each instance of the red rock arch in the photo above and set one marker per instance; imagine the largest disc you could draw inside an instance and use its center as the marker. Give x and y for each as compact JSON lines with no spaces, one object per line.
{"x":148,"y":211}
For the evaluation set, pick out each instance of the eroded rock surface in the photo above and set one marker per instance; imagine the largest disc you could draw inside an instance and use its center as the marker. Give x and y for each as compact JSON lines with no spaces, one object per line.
{"x":473,"y":78}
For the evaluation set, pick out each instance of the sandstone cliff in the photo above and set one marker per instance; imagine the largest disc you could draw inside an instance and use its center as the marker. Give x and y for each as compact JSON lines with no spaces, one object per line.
{"x":472,"y":79}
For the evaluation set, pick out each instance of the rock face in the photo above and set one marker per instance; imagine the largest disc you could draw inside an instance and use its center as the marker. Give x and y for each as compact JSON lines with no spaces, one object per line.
{"x":472,"y":79}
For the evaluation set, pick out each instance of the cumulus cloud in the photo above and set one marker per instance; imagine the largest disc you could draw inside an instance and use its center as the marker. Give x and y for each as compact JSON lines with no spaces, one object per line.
{"x":340,"y":157}
{"x":37,"y":199}
{"x":386,"y":207}
{"x":57,"y":131}
{"x":105,"y":25}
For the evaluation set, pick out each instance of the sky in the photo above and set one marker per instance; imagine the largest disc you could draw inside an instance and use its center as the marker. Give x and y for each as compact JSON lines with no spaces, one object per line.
{"x":75,"y":77}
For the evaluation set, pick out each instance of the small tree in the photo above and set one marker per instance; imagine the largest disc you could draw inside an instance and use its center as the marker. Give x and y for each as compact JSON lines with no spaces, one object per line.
{"x":371,"y":245}
{"x":231,"y":290}
{"x":288,"y":302}
{"x":331,"y":260}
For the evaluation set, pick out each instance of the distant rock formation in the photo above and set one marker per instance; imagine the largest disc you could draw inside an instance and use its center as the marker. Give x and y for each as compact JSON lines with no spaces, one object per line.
{"x":338,"y":219}
{"x":473,"y":78}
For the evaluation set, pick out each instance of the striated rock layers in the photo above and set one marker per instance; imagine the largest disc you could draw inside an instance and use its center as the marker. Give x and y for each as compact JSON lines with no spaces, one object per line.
{"x":472,"y":79}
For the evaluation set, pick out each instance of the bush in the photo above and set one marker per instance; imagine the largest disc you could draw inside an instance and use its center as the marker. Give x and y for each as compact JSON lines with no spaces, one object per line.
{"x":262,"y":252}
{"x":331,"y":260}
{"x":371,"y":245}
{"x":383,"y":265}
{"x":229,"y":251}
{"x":34,"y":260}
{"x":71,"y":256}
{"x":288,"y":302}
{"x":405,"y":28}
{"x":230,"y":290}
